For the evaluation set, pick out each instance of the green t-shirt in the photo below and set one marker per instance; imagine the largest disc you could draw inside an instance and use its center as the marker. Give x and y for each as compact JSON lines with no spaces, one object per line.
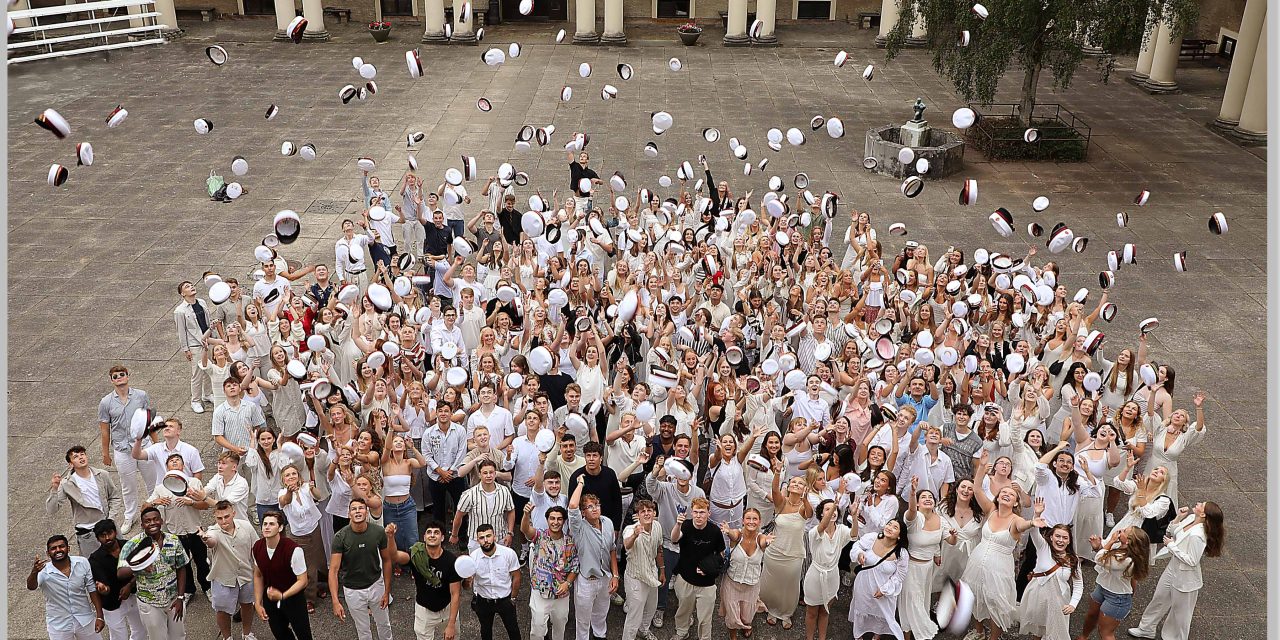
{"x":361,"y":555}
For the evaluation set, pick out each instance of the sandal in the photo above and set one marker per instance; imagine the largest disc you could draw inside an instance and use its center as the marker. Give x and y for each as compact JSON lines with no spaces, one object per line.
{"x":771,"y":621}
{"x":311,"y":608}
{"x":746,"y":633}
{"x":786,"y":625}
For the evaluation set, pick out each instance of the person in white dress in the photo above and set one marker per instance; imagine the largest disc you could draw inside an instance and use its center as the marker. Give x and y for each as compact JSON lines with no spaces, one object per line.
{"x":1148,"y":497}
{"x":740,"y":589}
{"x":1171,"y":438}
{"x":879,"y":562}
{"x":990,"y":572}
{"x":822,"y":579}
{"x":926,"y":531}
{"x":1196,"y":533}
{"x":1100,"y":454}
{"x":1055,"y":584}
{"x":963,"y":515}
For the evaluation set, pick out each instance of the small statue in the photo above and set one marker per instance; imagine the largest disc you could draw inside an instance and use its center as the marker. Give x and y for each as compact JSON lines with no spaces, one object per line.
{"x":919,"y":107}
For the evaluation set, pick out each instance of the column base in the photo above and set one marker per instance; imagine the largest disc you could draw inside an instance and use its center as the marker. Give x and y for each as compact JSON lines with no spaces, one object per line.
{"x":766,"y":41}
{"x":916,"y":43}
{"x":1138,"y":78}
{"x":319,"y":36}
{"x":1248,"y":138}
{"x":281,"y":36}
{"x":465,"y":38}
{"x":616,"y":39}
{"x":434,"y":37}
{"x":1224,"y":125}
{"x":586,"y":38}
{"x":882,"y":41}
{"x":1158,"y":86}
{"x":739,"y":40}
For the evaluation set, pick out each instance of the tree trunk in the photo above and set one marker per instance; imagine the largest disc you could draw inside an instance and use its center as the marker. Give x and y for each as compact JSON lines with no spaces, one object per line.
{"x":1029,"y":82}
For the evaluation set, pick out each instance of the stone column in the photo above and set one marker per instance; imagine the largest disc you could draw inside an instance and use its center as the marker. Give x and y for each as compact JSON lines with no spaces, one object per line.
{"x":736,"y":34}
{"x":313,"y":11}
{"x":585,"y":27}
{"x":1253,"y":117}
{"x":433,"y":16}
{"x":169,"y":18}
{"x":613,"y":23}
{"x":888,"y":19}
{"x":919,"y":30}
{"x":463,"y":32}
{"x":1255,"y":12}
{"x":285,"y":14}
{"x":767,"y":14}
{"x":1143,"y":68}
{"x":1164,"y":62}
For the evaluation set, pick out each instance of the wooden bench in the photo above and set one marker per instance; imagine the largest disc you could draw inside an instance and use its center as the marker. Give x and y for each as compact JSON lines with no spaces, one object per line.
{"x":869,"y":20}
{"x":108,"y":27}
{"x":1196,"y":49}
{"x":338,"y":13}
{"x":207,"y":14}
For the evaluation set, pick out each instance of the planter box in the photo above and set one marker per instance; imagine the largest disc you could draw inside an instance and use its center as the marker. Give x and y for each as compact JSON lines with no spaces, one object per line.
{"x":997,"y":134}
{"x":689,"y":38}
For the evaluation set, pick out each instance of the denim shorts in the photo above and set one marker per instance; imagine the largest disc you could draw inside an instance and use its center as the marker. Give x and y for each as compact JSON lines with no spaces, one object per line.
{"x":1114,"y":605}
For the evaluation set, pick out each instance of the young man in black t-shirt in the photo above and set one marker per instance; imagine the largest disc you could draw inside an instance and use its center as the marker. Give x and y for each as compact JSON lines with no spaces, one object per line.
{"x":700,"y":564}
{"x":119,"y":607}
{"x":439,"y":586}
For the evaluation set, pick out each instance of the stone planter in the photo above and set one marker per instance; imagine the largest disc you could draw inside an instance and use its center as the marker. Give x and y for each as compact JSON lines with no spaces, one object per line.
{"x":380,"y":35}
{"x":689,"y":38}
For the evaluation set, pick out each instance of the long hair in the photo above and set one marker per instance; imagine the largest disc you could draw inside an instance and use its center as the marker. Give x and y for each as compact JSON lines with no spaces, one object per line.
{"x":949,"y":503}
{"x":1168,"y":378}
{"x":1114,"y":377}
{"x":1214,"y":530}
{"x":1072,"y":481}
{"x":868,"y":472}
{"x":900,"y":546}
{"x":764,"y":446}
{"x":264,"y":455}
{"x":1070,"y":379}
{"x":1138,"y":551}
{"x":1067,"y":557}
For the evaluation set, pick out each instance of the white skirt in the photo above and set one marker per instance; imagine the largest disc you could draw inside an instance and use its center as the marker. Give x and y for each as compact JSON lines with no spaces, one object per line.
{"x":913,"y":601}
{"x":1040,"y":612}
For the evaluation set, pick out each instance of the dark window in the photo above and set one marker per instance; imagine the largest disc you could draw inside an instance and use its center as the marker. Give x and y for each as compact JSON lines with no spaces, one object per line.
{"x":259,"y":7}
{"x":673,"y":8}
{"x":397,"y":7}
{"x":813,"y":10}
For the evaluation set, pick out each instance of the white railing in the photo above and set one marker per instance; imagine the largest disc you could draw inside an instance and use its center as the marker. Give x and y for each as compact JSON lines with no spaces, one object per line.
{"x":109,"y":26}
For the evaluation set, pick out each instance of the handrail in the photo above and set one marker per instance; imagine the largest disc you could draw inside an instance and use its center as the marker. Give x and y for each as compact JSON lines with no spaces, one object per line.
{"x":81,"y":36}
{"x":104,"y":47}
{"x":82,"y":23}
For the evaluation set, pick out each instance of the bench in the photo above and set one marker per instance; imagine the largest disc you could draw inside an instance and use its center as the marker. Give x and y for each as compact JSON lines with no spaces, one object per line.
{"x":338,"y":13}
{"x":869,"y":20}
{"x":109,"y":26}
{"x":207,"y":14}
{"x":1196,"y":49}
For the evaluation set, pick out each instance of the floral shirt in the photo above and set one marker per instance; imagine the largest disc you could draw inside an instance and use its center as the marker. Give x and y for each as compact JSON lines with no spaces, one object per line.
{"x":551,"y":562}
{"x":157,"y":585}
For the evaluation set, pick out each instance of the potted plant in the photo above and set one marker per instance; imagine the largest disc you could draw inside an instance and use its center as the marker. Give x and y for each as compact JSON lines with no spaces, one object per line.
{"x":380,"y":31}
{"x":689,"y":33}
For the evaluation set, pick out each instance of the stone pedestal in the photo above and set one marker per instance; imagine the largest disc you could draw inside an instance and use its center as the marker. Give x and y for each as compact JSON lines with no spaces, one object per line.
{"x":767,"y":14}
{"x":915,"y":134}
{"x":433,"y":17}
{"x":1164,"y":62}
{"x":736,"y":33}
{"x":943,"y":150}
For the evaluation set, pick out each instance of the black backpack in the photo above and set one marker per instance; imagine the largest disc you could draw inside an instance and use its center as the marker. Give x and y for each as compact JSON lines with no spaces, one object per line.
{"x":1155,"y":528}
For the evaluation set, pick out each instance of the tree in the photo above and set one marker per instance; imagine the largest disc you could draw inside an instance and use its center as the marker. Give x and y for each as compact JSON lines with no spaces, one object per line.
{"x":1033,"y":34}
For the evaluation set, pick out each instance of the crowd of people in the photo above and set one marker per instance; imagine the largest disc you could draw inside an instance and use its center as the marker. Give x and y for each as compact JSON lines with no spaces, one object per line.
{"x":702,"y":408}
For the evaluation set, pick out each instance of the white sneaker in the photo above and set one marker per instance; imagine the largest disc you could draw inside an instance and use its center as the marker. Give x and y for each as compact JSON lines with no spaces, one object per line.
{"x":250,"y":636}
{"x":658,"y":621}
{"x":846,"y":579}
{"x":197,"y":407}
{"x":647,"y":635}
{"x":1110,"y":520}
{"x":124,"y":529}
{"x":1137,"y":632}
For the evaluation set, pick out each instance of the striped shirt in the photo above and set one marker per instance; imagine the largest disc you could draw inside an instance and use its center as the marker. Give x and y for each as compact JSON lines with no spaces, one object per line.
{"x":484,"y":507}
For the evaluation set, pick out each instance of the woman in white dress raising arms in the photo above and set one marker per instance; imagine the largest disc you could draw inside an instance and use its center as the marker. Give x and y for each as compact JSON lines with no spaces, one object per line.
{"x":990,"y":570}
{"x":925,"y":532}
{"x":1055,"y":585}
{"x":1172,"y":438}
{"x":822,"y":580}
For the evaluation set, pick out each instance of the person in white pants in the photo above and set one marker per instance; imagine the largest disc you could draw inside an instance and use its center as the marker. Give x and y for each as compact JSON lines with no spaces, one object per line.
{"x":553,"y":567}
{"x":115,"y":412}
{"x":1197,"y":532}
{"x":362,"y":558}
{"x":73,"y":610}
{"x":646,"y":569}
{"x":597,"y":563}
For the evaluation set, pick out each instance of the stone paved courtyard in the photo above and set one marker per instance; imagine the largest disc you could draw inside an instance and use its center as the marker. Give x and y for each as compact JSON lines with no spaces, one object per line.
{"x":94,"y":264}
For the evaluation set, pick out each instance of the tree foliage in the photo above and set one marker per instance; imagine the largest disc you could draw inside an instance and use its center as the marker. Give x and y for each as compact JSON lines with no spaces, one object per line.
{"x":1033,"y":35}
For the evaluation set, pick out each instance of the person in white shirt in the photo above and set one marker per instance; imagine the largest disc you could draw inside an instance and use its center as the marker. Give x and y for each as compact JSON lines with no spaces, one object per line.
{"x":349,"y":260}
{"x":159,"y":452}
{"x":646,"y":569}
{"x":810,"y":404}
{"x":929,"y":465}
{"x":496,"y":580}
{"x":298,"y":502}
{"x":1196,"y":532}
{"x":73,"y":610}
{"x":378,"y":219}
{"x":271,"y":289}
{"x":91,"y":492}
{"x":227,"y":485}
{"x":487,"y":413}
{"x":623,"y":452}
{"x":447,"y":331}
